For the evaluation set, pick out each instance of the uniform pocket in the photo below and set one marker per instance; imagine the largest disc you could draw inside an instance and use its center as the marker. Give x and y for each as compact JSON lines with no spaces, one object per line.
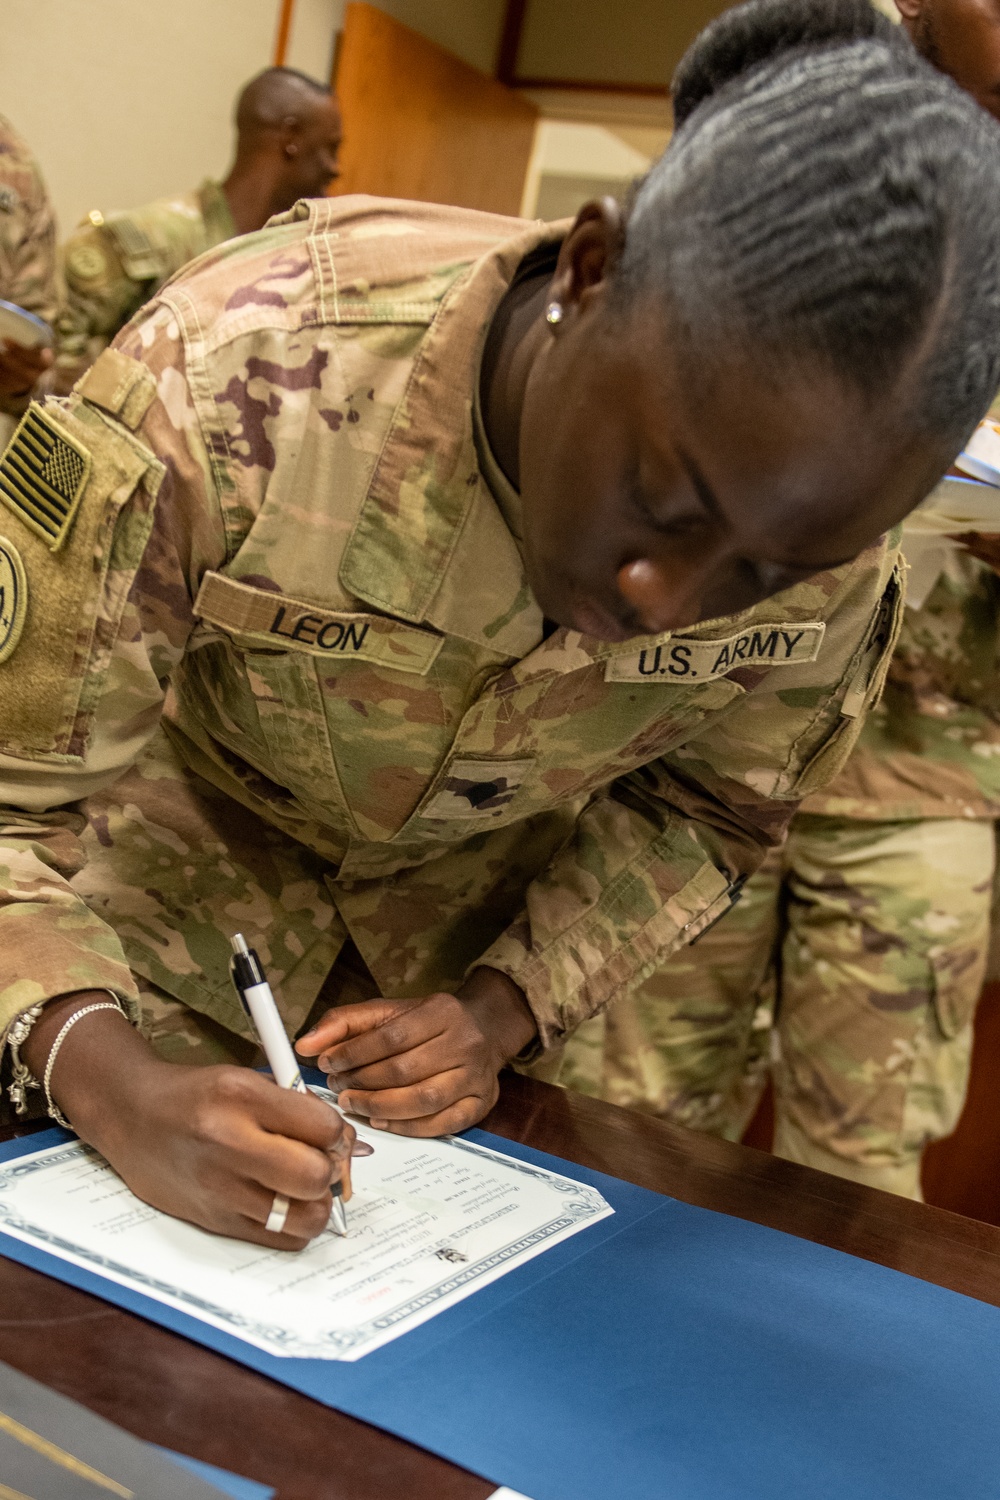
{"x":293,"y":725}
{"x":956,"y":984}
{"x":862,"y":689}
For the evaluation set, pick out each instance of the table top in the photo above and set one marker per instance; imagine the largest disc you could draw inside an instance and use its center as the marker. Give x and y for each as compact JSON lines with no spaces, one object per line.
{"x":170,"y":1391}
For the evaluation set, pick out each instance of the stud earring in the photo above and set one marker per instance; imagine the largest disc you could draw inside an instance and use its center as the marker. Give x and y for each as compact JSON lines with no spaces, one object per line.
{"x":554,"y":314}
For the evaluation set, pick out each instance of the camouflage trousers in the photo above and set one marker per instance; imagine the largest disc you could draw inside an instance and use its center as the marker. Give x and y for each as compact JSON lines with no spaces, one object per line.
{"x":849,"y":973}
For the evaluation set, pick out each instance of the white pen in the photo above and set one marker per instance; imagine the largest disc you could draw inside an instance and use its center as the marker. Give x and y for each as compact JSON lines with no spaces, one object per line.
{"x":258,"y":1002}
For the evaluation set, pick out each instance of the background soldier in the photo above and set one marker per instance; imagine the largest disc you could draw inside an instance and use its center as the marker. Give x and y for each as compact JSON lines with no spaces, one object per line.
{"x":288,"y":136}
{"x":850,"y":969}
{"x":27,"y":267}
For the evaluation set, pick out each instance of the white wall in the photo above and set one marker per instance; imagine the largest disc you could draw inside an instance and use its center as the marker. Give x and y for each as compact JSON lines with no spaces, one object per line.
{"x":125,"y":100}
{"x":315,"y":24}
{"x":573,"y":162}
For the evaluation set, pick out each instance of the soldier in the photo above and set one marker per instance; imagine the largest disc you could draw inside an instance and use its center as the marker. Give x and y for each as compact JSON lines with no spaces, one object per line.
{"x":460,"y":607}
{"x":851,"y":968}
{"x":288,"y":136}
{"x":27,"y":264}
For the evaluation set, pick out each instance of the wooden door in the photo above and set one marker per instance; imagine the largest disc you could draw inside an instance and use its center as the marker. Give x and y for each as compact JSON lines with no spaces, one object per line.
{"x":420,"y":123}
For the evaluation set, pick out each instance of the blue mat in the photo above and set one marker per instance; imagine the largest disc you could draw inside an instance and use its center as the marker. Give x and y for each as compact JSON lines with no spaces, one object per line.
{"x":669,"y":1353}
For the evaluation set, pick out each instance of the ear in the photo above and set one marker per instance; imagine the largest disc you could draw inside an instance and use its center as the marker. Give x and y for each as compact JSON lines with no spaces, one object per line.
{"x":909,"y":11}
{"x":289,"y":135}
{"x":589,"y":252}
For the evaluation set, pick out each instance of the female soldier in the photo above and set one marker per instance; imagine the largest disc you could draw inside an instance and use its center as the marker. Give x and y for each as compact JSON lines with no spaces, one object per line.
{"x":512,"y":583}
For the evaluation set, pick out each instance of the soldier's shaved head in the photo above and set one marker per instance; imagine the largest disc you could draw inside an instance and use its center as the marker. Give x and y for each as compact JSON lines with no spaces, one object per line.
{"x":962,"y":39}
{"x":288,"y":135}
{"x":277,"y":95}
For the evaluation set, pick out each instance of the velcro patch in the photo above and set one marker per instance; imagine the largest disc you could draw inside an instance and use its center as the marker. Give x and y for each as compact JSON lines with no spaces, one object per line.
{"x":477,"y":789}
{"x":43,"y":473}
{"x":276,"y":620}
{"x":13,"y":598}
{"x":120,"y":386}
{"x":685,"y":658}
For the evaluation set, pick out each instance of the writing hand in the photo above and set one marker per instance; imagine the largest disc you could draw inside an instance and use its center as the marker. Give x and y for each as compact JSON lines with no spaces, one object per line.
{"x":210,"y":1145}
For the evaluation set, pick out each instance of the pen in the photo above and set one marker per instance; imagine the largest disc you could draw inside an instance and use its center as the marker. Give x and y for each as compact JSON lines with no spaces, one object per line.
{"x":258,"y":1002}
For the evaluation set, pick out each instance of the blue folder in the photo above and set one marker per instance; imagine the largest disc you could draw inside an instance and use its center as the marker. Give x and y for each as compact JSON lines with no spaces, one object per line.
{"x":669,"y":1353}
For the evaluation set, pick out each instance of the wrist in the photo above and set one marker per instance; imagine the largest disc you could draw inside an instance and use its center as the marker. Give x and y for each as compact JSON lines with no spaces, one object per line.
{"x":84,"y":1061}
{"x":502,"y":1010}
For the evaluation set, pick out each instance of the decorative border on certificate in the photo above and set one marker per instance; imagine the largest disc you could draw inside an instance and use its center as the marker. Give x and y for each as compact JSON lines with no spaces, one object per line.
{"x":577,"y":1205}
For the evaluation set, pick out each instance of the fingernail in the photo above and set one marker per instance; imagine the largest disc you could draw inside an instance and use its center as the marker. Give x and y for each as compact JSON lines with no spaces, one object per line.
{"x":362,"y":1148}
{"x":379,"y":1124}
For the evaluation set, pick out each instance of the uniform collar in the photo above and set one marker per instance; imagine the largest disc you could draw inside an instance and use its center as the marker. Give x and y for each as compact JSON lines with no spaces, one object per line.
{"x":434,"y":541}
{"x":216,"y":212}
{"x":508,"y":499}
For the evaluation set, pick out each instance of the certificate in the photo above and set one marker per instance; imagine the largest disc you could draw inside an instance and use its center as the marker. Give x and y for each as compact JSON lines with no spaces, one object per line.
{"x":430,"y":1222}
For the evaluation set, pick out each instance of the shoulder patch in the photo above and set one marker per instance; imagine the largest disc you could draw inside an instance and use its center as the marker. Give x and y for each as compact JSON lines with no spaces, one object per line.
{"x":87,"y":262}
{"x":142,"y":259}
{"x":69,"y":617}
{"x":13,"y":598}
{"x":43,"y":473}
{"x":688,"y":659}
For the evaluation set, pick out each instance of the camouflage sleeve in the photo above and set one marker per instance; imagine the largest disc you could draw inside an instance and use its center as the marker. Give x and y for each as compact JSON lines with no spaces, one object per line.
{"x":27,"y":245}
{"x":100,"y":299}
{"x":81,"y":694}
{"x":663,"y":852}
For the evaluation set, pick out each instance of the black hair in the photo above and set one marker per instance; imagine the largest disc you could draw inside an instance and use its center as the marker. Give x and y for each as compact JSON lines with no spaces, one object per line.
{"x":272,"y":95}
{"x":827,"y":196}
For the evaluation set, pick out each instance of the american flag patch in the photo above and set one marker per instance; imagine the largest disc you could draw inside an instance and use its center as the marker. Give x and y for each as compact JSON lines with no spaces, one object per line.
{"x":43,"y":473}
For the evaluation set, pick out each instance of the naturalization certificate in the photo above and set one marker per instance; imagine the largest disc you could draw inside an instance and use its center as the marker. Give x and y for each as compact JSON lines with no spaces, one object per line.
{"x":430,"y":1222}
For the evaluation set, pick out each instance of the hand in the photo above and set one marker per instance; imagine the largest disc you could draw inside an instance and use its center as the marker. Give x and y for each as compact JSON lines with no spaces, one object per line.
{"x":20,"y":368}
{"x":211,"y":1145}
{"x":984,"y":545}
{"x":423,"y":1067}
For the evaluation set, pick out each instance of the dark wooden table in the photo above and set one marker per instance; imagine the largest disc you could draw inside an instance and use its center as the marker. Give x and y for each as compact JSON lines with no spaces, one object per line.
{"x":170,"y":1391}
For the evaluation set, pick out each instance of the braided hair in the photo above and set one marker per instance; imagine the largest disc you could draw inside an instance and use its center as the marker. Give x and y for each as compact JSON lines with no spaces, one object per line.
{"x":827,"y":197}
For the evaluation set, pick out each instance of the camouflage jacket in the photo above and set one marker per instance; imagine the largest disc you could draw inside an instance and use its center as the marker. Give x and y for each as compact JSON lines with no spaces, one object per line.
{"x":931,"y":749}
{"x":268,"y":497}
{"x":113,"y":263}
{"x":27,"y":234}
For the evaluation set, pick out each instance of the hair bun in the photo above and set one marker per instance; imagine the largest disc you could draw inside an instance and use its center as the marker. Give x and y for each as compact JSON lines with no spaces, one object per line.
{"x":760,"y":31}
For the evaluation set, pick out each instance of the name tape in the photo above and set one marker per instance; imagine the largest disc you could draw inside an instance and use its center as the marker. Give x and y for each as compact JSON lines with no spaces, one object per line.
{"x":683,"y":658}
{"x":276,"y":620}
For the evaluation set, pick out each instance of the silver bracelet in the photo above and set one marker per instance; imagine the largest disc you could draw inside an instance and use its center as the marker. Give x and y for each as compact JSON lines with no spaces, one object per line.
{"x":23,"y":1079}
{"x":55,"y":1112}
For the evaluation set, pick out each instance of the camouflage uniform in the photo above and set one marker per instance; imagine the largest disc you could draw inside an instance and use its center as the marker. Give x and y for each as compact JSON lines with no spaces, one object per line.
{"x":113,"y":263}
{"x":27,"y":238}
{"x":269,"y":495}
{"x":851,"y":968}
